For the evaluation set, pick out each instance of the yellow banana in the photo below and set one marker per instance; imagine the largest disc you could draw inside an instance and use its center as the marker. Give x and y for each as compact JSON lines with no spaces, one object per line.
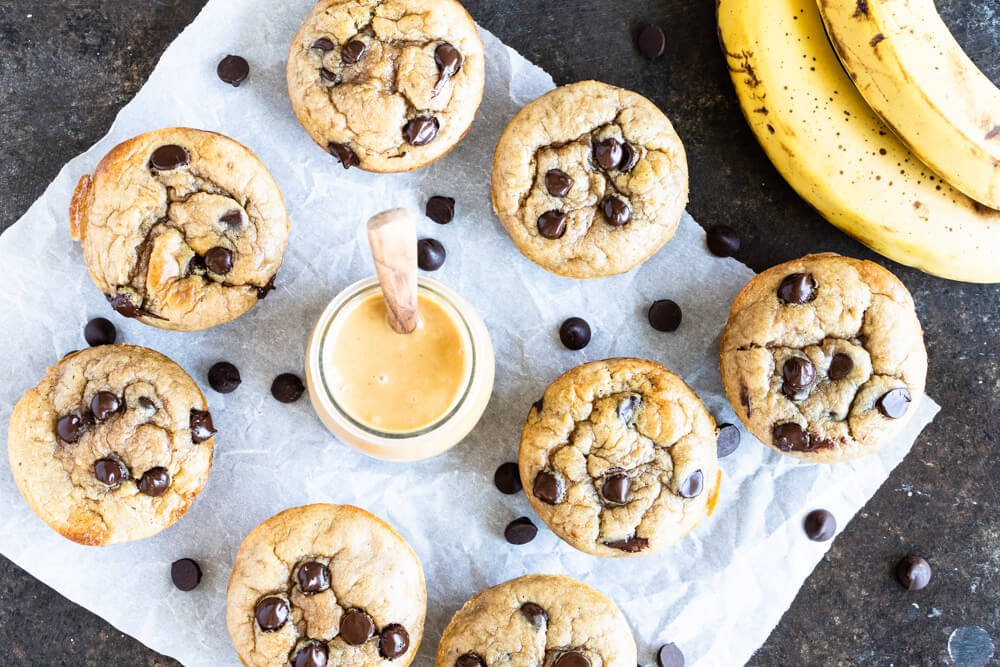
{"x":837,"y":154}
{"x":917,"y":78}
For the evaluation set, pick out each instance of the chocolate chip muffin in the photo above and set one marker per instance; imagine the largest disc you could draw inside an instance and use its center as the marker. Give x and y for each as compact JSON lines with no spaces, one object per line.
{"x":619,"y":458}
{"x":386,"y":85}
{"x":538,"y":620}
{"x":589,"y":180}
{"x":113,"y":445}
{"x":823,"y":357}
{"x":326,"y":585}
{"x":181,"y":229}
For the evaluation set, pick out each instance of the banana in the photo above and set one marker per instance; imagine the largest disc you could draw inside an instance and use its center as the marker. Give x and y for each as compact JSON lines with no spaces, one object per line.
{"x":837,"y":154}
{"x":917,"y":78}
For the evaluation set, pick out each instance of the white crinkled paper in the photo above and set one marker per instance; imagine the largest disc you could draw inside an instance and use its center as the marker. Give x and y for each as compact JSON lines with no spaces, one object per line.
{"x":717,"y":595}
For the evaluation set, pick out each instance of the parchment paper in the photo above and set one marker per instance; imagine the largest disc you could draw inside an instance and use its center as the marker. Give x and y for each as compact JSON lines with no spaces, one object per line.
{"x":717,"y":595}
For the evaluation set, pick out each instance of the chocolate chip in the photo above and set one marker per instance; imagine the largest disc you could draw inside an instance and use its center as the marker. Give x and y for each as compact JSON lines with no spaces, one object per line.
{"x":790,"y":437}
{"x":69,"y":353}
{"x":272,"y":613}
{"x":440,"y":209}
{"x":627,"y":407}
{"x":267,"y":288}
{"x":913,"y":573}
{"x":669,"y":656}
{"x":507,"y":478}
{"x":287,"y":388}
{"x":123,"y":305}
{"x":539,"y":405}
{"x":352,"y":51}
{"x":155,"y":481}
{"x":421,"y":130}
{"x":393,"y":641}
{"x":652,"y":41}
{"x":344,"y":154}
{"x":558,"y":182}
{"x":196,"y":265}
{"x":430,"y":254}
{"x":552,"y":224}
{"x":470,"y":660}
{"x":233,"y":70}
{"x":797,"y":288}
{"x":723,"y":241}
{"x":448,"y":60}
{"x":572,"y":659}
{"x":608,"y":153}
{"x":311,"y":654}
{"x":745,"y":399}
{"x":535,"y":614}
{"x":313,"y":577}
{"x":104,"y":404}
{"x":574,"y":333}
{"x":168,"y":158}
{"x":99,"y":331}
{"x":186,"y":574}
{"x":356,"y":627}
{"x":616,"y":211}
{"x":223,"y":377}
{"x":798,"y":372}
{"x":147,"y":403}
{"x":616,"y":488}
{"x":895,"y":402}
{"x":664,"y":315}
{"x":820,"y":525}
{"x":327,"y":75}
{"x":520,"y":531}
{"x":201,"y":426}
{"x":546,"y":488}
{"x":111,"y":472}
{"x":324,"y":44}
{"x":840,"y":366}
{"x":70,"y":427}
{"x":629,"y":157}
{"x":692,"y":486}
{"x":632,"y":545}
{"x":219,"y":260}
{"x":728,"y":440}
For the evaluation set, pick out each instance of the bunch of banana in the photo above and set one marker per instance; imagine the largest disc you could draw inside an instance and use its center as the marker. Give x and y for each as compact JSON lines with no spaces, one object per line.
{"x":836,"y":152}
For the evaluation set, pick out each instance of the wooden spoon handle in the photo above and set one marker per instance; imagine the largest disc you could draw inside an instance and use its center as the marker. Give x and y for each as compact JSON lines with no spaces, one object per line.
{"x":393,"y":238}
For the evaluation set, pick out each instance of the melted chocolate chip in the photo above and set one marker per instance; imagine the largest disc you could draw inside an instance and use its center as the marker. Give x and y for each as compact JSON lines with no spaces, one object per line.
{"x":440,"y":209}
{"x":224,"y":377}
{"x":186,"y":574}
{"x":558,"y":182}
{"x":219,"y":260}
{"x":352,"y":51}
{"x":104,"y":404}
{"x":155,"y":482}
{"x":100,"y":331}
{"x":895,"y":402}
{"x":664,"y":315}
{"x":313,"y":577}
{"x":574,"y":333}
{"x":147,"y":403}
{"x":430,"y":254}
{"x":552,"y":224}
{"x":196,"y":265}
{"x":546,"y":487}
{"x":520,"y":531}
{"x":790,"y":437}
{"x":233,"y":70}
{"x":629,"y":158}
{"x":168,"y":158}
{"x":820,"y":525}
{"x":745,"y":399}
{"x":69,"y":428}
{"x":632,"y":545}
{"x":344,"y":153}
{"x":913,"y":573}
{"x":652,"y":41}
{"x":267,"y":288}
{"x":421,"y":130}
{"x":272,"y":613}
{"x":111,"y":472}
{"x":627,"y":407}
{"x":324,"y":44}
{"x":393,"y":641}
{"x":470,"y":660}
{"x":534,"y":614}
{"x":608,"y":153}
{"x":840,"y":366}
{"x":692,"y":486}
{"x":507,"y":478}
{"x":287,"y":388}
{"x":728,"y":440}
{"x":311,"y":654}
{"x":798,"y":372}
{"x":201,"y":425}
{"x":448,"y":60}
{"x":124,"y":306}
{"x":356,"y":627}
{"x":327,"y":75}
{"x":539,"y":405}
{"x":616,"y":488}
{"x":669,"y":656}
{"x":616,"y":211}
{"x":797,"y":288}
{"x":723,"y":241}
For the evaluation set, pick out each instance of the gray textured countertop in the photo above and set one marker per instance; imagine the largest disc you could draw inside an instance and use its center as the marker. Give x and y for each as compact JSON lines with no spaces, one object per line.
{"x":66,"y":68}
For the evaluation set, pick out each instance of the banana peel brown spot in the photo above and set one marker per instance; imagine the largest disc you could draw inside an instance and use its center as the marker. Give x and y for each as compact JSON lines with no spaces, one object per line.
{"x":994,"y":132}
{"x":861,"y":10}
{"x":876,"y":40}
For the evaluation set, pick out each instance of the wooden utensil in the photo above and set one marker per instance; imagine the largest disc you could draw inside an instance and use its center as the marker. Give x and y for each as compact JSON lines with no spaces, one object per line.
{"x":393,"y":238}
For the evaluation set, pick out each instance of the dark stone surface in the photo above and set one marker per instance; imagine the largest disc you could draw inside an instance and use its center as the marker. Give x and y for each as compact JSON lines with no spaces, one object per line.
{"x":66,"y":68}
